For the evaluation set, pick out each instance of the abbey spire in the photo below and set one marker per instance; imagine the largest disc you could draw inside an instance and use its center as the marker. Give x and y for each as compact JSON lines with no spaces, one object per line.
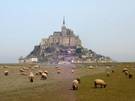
{"x":64,"y":21}
{"x":63,"y":28}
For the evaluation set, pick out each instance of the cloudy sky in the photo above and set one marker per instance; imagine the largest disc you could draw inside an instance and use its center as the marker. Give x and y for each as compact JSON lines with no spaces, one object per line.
{"x":105,"y":26}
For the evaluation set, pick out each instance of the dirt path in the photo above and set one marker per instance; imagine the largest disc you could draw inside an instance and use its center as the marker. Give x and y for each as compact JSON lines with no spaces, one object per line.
{"x":65,"y":79}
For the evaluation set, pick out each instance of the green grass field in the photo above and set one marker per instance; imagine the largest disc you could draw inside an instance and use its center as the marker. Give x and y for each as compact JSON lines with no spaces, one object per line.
{"x":16,"y":87}
{"x":119,"y":87}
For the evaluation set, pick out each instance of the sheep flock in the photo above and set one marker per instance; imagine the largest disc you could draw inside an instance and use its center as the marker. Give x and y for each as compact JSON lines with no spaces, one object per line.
{"x":36,"y":71}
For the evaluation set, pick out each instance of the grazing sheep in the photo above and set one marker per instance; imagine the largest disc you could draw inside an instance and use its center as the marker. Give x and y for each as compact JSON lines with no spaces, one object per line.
{"x":43,"y":76}
{"x":99,"y":82}
{"x":90,"y":67}
{"x":72,"y":71}
{"x":58,"y":71}
{"x":126,"y":73}
{"x":22,"y":70}
{"x":124,"y":69}
{"x":6,"y":73}
{"x":107,"y":74}
{"x":46,"y":72}
{"x":31,"y":77}
{"x":75,"y":84}
{"x":107,"y":68}
{"x":5,"y":66}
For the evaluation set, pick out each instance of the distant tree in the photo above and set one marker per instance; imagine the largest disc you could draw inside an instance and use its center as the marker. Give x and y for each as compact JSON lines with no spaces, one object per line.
{"x":79,"y":50}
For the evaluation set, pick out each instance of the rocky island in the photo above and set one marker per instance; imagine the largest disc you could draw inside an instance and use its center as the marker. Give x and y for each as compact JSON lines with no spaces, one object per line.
{"x":63,"y":47}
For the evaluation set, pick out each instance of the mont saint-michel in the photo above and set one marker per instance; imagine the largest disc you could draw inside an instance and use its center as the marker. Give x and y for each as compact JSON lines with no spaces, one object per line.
{"x":63,"y":46}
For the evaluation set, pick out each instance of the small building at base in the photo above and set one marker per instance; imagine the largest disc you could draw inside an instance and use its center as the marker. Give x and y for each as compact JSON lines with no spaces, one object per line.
{"x":28,"y":60}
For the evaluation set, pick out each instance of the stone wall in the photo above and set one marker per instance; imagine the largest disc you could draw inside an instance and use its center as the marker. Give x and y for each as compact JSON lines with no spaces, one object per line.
{"x":66,"y":38}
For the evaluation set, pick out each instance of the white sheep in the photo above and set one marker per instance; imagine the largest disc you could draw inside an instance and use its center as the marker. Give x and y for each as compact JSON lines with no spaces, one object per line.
{"x":46,"y":72}
{"x":75,"y":84}
{"x":124,"y":69}
{"x":31,"y":77}
{"x":90,"y":67}
{"x":107,"y":67}
{"x":126,"y":72}
{"x":72,"y":70}
{"x":108,"y":73}
{"x":58,"y":71}
{"x":5,"y":66}
{"x":43,"y":76}
{"x":6,"y":73}
{"x":56,"y":67}
{"x":22,"y":70}
{"x":100,"y":82}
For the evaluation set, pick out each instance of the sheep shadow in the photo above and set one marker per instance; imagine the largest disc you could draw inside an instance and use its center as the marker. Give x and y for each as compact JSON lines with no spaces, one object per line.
{"x":97,"y":87}
{"x":70,"y":89}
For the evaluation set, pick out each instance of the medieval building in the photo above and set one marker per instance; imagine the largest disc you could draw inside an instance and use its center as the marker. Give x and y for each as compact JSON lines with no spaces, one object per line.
{"x":65,"y":37}
{"x":62,"y":46}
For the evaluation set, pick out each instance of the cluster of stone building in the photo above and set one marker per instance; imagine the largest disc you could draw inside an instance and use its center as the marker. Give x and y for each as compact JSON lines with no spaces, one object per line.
{"x":65,"y":37}
{"x":28,"y":60}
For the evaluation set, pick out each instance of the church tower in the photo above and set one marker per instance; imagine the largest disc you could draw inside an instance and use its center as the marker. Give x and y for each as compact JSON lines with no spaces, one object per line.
{"x":63,"y":28}
{"x":63,"y":21}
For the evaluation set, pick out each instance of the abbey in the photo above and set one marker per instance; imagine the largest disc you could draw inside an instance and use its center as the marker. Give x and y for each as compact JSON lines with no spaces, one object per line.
{"x":62,"y":46}
{"x":65,"y":37}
